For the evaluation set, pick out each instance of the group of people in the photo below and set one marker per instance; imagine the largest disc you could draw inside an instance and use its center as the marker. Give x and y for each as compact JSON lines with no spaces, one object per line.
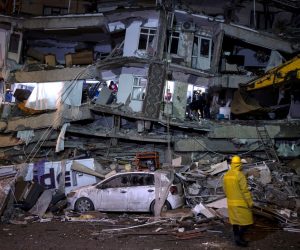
{"x":198,"y":106}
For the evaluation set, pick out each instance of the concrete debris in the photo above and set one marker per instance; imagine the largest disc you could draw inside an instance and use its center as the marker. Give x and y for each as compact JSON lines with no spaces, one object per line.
{"x":7,"y":171}
{"x":42,"y":203}
{"x":194,"y":189}
{"x":111,"y":173}
{"x":5,"y":189}
{"x":137,"y":226}
{"x":91,"y":216}
{"x":222,"y":203}
{"x":178,"y":213}
{"x":106,"y":92}
{"x":177,"y":162}
{"x":222,"y":212}
{"x":275,"y":191}
{"x":258,"y":171}
{"x":25,"y":136}
{"x":76,"y":166}
{"x":218,"y":168}
{"x":17,"y":222}
{"x":201,"y":209}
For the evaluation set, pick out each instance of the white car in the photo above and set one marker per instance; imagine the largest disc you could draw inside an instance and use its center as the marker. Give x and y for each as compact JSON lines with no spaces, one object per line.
{"x":130,"y":191}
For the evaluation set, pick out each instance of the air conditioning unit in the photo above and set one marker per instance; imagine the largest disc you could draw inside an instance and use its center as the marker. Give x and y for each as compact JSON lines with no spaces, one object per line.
{"x":188,"y":26}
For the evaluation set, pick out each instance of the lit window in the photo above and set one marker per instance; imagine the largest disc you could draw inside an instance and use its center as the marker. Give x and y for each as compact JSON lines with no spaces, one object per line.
{"x":139,"y":88}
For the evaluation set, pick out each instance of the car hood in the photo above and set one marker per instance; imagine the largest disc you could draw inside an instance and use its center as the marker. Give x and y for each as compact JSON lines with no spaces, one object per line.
{"x":83,"y":188}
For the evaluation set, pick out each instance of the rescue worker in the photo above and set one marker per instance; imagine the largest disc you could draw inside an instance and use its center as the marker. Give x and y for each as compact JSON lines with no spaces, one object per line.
{"x":239,"y":200}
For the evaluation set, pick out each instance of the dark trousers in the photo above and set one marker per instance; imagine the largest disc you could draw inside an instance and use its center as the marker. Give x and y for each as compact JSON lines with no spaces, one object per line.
{"x":238,"y":232}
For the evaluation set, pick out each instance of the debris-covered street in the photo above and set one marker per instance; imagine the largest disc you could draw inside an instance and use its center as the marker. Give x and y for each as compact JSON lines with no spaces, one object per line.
{"x":201,"y":222}
{"x":102,"y":233}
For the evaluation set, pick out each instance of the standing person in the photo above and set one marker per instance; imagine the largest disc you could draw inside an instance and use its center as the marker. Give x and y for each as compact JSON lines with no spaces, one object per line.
{"x":206,"y":106}
{"x":239,"y":200}
{"x":200,"y":104}
{"x":114,"y":88}
{"x":188,"y":109}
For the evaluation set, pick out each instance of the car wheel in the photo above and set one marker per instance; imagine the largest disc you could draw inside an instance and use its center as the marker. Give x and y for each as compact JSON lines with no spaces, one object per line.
{"x":84,"y":204}
{"x":166,"y":207}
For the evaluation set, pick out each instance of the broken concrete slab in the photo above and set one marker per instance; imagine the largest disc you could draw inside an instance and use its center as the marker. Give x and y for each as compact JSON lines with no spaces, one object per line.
{"x":260,"y":171}
{"x":218,"y":168}
{"x":240,"y":131}
{"x":76,"y":166}
{"x":215,"y":145}
{"x":5,"y":188}
{"x":3,"y":125}
{"x":221,"y":203}
{"x":42,"y":203}
{"x":47,"y":120}
{"x":177,"y":213}
{"x":8,"y":141}
{"x":32,"y":122}
{"x":56,"y":75}
{"x":202,"y":209}
{"x":254,"y":37}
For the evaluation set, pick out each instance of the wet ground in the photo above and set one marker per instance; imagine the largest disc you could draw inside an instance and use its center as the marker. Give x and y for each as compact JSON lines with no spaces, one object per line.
{"x":90,"y":235}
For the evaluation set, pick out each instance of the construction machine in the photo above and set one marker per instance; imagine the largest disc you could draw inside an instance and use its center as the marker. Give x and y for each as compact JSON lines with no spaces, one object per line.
{"x":273,"y":95}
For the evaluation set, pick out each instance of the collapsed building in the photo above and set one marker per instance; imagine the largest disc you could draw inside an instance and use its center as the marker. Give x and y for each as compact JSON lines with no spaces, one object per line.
{"x":110,"y":80}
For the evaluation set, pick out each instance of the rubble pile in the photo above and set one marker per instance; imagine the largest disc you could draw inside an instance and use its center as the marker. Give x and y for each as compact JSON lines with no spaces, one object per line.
{"x":274,"y":187}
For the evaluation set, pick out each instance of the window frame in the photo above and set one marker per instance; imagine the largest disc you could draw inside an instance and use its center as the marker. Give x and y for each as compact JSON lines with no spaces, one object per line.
{"x":106,"y":184}
{"x":142,"y":176}
{"x":142,"y":92}
{"x":199,"y":50}
{"x":172,"y":37}
{"x":148,"y":34}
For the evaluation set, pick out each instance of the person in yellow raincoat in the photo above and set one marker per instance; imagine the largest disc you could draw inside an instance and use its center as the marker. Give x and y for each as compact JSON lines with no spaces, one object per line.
{"x":239,"y":200}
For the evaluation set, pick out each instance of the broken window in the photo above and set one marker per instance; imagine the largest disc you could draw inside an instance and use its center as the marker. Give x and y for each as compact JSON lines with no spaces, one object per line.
{"x":137,"y":180}
{"x":142,"y":180}
{"x":139,"y":88}
{"x":117,"y":182}
{"x":201,"y":52}
{"x":146,"y":38}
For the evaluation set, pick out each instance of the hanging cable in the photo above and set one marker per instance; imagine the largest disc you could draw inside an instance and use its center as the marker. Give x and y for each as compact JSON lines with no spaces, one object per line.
{"x":61,"y":100}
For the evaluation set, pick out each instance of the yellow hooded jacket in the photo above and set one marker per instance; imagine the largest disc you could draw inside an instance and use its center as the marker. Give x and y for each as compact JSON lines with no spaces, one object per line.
{"x":239,"y":198}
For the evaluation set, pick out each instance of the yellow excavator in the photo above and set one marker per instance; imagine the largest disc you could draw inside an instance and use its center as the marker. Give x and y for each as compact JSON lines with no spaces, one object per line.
{"x":272,"y":92}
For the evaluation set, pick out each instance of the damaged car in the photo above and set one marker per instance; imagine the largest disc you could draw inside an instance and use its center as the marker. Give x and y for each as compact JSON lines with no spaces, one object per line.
{"x":130,"y":191}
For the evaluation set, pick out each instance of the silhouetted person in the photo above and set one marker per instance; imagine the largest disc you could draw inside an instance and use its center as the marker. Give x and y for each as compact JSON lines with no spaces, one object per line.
{"x":200,"y":104}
